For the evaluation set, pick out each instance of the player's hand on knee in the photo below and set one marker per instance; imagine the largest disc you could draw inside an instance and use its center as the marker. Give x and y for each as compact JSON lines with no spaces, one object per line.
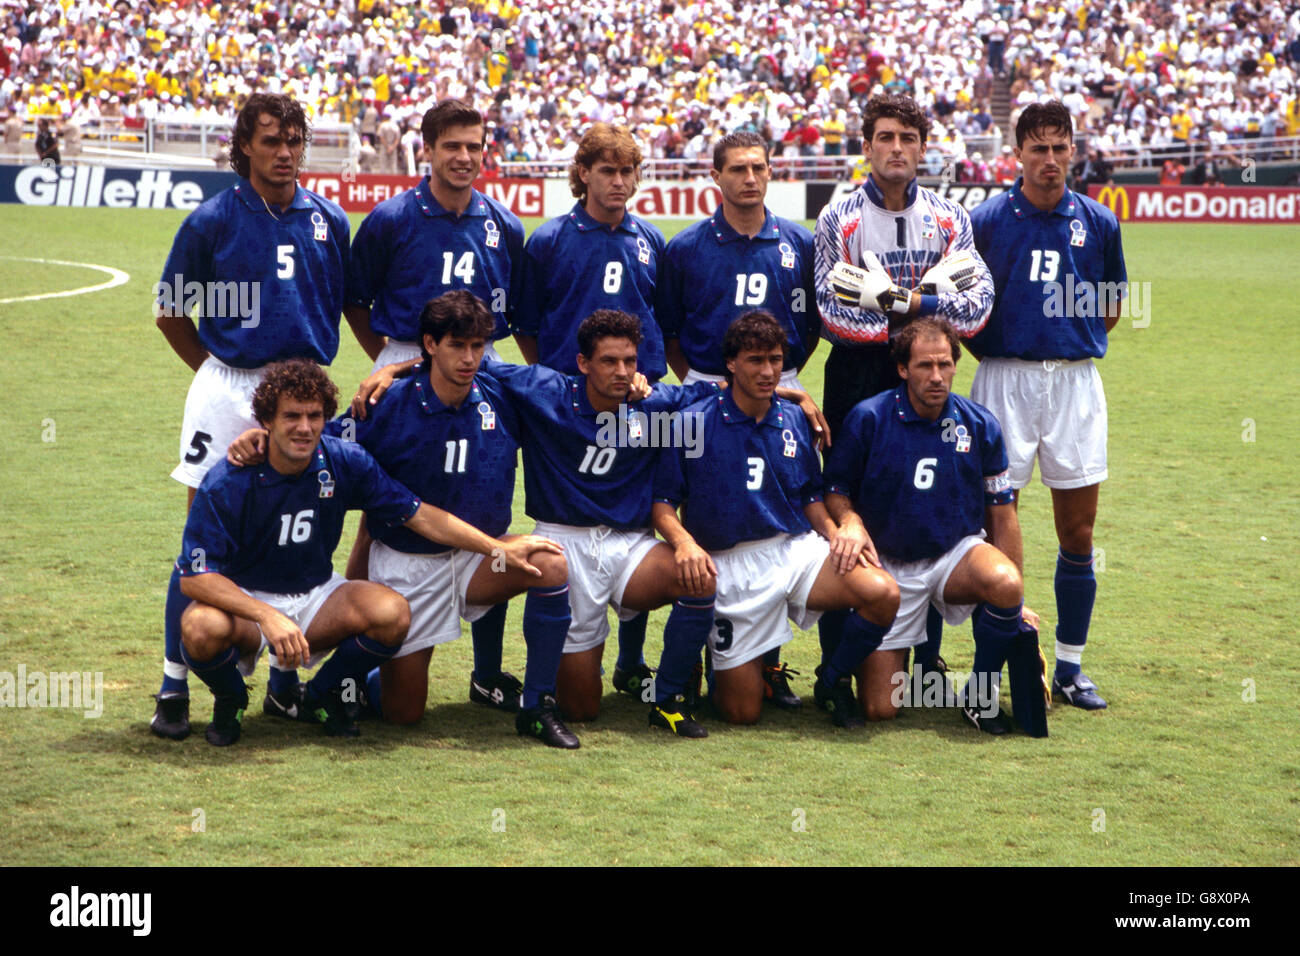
{"x":516,"y":552}
{"x":248,"y":448}
{"x":696,"y":572}
{"x":286,"y":639}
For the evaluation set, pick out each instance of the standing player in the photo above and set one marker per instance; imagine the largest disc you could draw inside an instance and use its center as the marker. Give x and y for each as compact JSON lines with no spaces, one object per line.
{"x":888,"y":252}
{"x":739,"y":259}
{"x":441,"y":235}
{"x":598,"y":256}
{"x":258,"y":549}
{"x":752,"y":515}
{"x":264,"y":262}
{"x":1036,"y":372}
{"x":916,"y":475}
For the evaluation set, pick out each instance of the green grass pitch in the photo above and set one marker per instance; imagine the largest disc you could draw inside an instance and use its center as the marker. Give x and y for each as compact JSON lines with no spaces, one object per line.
{"x":1195,"y":762}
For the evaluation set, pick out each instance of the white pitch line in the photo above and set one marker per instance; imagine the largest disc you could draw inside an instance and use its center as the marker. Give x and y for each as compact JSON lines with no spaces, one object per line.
{"x":116,"y":278}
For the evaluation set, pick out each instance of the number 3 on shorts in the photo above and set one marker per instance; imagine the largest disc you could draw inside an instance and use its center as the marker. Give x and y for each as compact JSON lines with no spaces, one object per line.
{"x":723,"y":642}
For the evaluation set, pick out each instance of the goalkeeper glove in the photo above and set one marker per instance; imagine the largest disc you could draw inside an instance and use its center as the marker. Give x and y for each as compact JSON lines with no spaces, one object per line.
{"x":956,"y":273}
{"x":868,"y":289}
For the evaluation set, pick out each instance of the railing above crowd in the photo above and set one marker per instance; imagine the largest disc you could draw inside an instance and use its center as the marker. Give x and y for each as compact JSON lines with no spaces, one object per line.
{"x":179,"y":143}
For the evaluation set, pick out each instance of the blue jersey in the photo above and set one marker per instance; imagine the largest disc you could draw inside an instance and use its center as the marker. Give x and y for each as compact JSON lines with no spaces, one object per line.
{"x":268,"y":282}
{"x":1053,"y":271}
{"x":574,"y":265}
{"x":712,"y":275}
{"x":272,"y":532}
{"x":754,"y":480}
{"x":410,"y":250}
{"x":588,"y":468}
{"x":459,"y":459}
{"x":920,"y":486}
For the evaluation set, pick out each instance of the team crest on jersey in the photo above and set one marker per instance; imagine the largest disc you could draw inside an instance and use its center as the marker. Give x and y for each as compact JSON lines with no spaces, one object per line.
{"x":928,"y":227}
{"x":791,"y":448}
{"x":493,"y":234}
{"x":1078,"y":236}
{"x":320,"y":231}
{"x":489,"y":417}
{"x":963,"y":438}
{"x":787,"y":255}
{"x":642,"y":251}
{"x":326,"y":484}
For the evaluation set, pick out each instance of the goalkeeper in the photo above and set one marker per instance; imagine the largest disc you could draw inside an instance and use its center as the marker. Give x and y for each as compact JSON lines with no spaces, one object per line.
{"x":914,"y":254}
{"x":888,"y":252}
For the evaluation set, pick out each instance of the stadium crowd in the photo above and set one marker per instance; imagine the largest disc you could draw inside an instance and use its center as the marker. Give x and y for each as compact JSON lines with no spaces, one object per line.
{"x":1140,"y":77}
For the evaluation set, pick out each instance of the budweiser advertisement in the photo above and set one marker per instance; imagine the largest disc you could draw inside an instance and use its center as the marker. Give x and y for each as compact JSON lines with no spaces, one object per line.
{"x":1253,"y":204}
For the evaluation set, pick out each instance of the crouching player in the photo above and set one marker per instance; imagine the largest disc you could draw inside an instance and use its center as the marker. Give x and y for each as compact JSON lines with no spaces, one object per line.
{"x":257,"y":558}
{"x":752,"y":515}
{"x":916,"y":474}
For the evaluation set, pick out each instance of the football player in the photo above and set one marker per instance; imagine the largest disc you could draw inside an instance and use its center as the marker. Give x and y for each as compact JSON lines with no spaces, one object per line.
{"x":598,"y":256}
{"x":1058,"y":268}
{"x":440,"y":235}
{"x":915,"y":476}
{"x":262,"y":263}
{"x":257,"y":555}
{"x":741,"y":258}
{"x":753,"y":519}
{"x":888,"y":252}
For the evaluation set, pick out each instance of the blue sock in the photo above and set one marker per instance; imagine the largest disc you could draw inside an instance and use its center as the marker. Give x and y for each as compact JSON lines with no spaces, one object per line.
{"x":174,"y":683}
{"x":685,"y":634}
{"x":859,"y":638}
{"x":352,"y":660}
{"x":221,"y":673}
{"x":830,"y":628}
{"x":281,"y":681}
{"x":927,"y":652}
{"x":1076,"y":590}
{"x":488,"y":633}
{"x":546,"y":625}
{"x":994,"y":629}
{"x":631,"y":641}
{"x":373,"y":689}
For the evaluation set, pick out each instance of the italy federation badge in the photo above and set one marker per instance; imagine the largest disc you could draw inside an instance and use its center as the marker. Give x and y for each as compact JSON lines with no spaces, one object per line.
{"x":320,"y":231}
{"x":326,"y":484}
{"x":791,"y":448}
{"x":787,"y":255}
{"x":1078,"y":236}
{"x":493,"y":234}
{"x":963,"y":439}
{"x":642,"y":251}
{"x":488,"y":417}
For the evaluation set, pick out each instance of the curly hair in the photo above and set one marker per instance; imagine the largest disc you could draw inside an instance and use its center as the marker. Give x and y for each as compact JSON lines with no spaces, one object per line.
{"x":279,"y":106}
{"x":1037,"y":118}
{"x":297,"y":378}
{"x":900,"y":347}
{"x":754,"y":331}
{"x":607,"y":324}
{"x":894,"y":106}
{"x":604,"y":140}
{"x":460,"y":313}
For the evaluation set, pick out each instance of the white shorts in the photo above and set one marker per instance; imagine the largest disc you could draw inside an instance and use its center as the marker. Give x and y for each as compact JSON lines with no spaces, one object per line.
{"x":435,"y":586}
{"x":394,"y":352}
{"x":1055,"y":410}
{"x":218,"y":407}
{"x":762,"y":587}
{"x":920,"y":584}
{"x":789,"y":378}
{"x":601,"y":561}
{"x":299,"y":608}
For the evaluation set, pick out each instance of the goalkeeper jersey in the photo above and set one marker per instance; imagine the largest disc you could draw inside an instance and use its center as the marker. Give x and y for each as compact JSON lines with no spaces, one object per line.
{"x":907,"y":243}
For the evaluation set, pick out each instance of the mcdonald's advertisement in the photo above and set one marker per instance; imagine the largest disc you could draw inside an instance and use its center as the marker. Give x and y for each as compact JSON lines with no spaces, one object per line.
{"x":1252,"y":204}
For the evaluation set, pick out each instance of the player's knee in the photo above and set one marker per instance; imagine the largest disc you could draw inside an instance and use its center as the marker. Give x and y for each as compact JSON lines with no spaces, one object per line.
{"x":205,"y":631}
{"x":578,"y":706}
{"x":404,"y":711}
{"x":880,"y":708}
{"x":390,"y":618}
{"x":1005,"y":587}
{"x":739,"y":710}
{"x":878,"y":596}
{"x":555,"y":570}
